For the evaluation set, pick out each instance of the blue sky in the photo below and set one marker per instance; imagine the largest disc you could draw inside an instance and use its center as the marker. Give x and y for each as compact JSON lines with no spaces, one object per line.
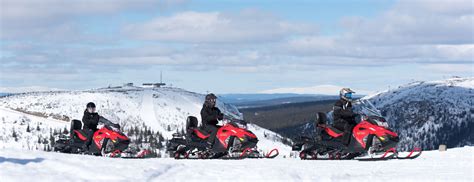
{"x":234,"y":46}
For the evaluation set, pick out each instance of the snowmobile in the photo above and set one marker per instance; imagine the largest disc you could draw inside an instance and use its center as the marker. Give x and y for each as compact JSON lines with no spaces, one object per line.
{"x":233,"y":141}
{"x":107,"y":141}
{"x":371,"y":139}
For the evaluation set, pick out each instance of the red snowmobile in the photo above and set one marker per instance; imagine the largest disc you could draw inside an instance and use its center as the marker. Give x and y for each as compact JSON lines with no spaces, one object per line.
{"x":233,"y":141}
{"x":107,"y":141}
{"x":370,"y":137}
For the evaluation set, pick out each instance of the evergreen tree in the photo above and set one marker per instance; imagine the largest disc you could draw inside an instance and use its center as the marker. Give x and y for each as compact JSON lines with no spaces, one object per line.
{"x":15,"y":135}
{"x":51,"y":140}
{"x":28,"y":128}
{"x":160,"y":137}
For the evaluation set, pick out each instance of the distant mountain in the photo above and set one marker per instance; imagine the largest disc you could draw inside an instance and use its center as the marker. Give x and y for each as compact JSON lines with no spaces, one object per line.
{"x":424,"y":114}
{"x":427,"y":114}
{"x":243,"y":101}
{"x":282,"y":116}
{"x":318,"y":89}
{"x":4,"y":94}
{"x":241,"y":98}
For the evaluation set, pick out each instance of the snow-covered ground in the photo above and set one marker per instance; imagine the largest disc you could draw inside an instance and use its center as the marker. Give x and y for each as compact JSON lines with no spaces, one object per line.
{"x":23,"y":165}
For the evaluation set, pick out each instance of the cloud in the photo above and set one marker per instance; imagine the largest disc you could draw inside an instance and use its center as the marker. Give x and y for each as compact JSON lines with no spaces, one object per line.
{"x":319,"y":89}
{"x":57,"y":20}
{"x":415,"y":31}
{"x":216,"y":27}
{"x":415,"y":22}
{"x":452,"y":69}
{"x":53,"y":39}
{"x":27,"y":89}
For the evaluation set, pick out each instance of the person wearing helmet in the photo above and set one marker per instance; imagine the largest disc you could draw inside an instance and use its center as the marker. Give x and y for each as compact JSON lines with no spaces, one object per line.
{"x":344,"y":117}
{"x":90,"y":120}
{"x":210,"y":116}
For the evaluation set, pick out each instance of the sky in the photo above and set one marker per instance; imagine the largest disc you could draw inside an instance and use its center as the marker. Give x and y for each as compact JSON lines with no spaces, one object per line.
{"x":231,"y":46}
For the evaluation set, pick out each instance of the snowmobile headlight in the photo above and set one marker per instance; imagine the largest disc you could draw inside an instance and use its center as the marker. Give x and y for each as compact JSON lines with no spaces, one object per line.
{"x":240,"y":125}
{"x":382,"y":123}
{"x":241,"y":139}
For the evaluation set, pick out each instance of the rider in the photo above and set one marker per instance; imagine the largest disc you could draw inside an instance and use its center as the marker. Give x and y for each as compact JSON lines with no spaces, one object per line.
{"x":91,"y":120}
{"x":210,"y":116}
{"x":344,"y":117}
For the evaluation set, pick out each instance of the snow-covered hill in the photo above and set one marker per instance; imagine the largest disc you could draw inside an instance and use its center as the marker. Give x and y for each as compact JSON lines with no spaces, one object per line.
{"x":18,"y":165}
{"x":424,"y":114}
{"x":427,"y":114}
{"x":29,"y":119}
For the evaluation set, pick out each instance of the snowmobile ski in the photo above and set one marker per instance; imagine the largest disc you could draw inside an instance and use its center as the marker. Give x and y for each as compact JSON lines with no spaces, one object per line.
{"x":415,"y":153}
{"x":127,"y":155}
{"x":249,"y":153}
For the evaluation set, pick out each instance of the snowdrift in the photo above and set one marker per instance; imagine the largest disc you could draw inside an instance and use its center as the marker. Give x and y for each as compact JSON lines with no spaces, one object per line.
{"x":20,"y":165}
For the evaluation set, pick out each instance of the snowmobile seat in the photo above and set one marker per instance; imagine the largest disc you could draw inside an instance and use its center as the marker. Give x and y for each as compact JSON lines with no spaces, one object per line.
{"x":191,"y":122}
{"x":321,"y":119}
{"x":192,"y":128}
{"x":201,"y":133}
{"x":80,"y":134}
{"x":75,"y":125}
{"x":332,"y":131}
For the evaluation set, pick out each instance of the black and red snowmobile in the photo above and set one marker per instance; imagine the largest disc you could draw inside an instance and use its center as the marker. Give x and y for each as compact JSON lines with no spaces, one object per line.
{"x":371,"y":139}
{"x":233,"y":141}
{"x":107,"y":141}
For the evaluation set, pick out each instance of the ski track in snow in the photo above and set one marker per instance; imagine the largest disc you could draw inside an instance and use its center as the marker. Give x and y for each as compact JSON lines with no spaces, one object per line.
{"x":147,"y":109}
{"x":23,"y":165}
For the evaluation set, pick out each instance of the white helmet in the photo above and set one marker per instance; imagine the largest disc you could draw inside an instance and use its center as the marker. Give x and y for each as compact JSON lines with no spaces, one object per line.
{"x":346,"y":94}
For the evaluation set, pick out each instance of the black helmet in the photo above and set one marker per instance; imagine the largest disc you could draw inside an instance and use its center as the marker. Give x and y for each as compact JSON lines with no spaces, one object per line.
{"x":90,"y":105}
{"x":210,"y":100}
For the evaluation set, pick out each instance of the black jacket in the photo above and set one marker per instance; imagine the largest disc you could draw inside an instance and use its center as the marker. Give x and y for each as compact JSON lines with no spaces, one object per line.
{"x":90,"y":120}
{"x":211,"y":115}
{"x":342,"y":112}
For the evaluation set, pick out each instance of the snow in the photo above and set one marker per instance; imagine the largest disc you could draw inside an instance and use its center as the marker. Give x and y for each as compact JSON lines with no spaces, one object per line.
{"x":24,"y":165}
{"x":18,"y":122}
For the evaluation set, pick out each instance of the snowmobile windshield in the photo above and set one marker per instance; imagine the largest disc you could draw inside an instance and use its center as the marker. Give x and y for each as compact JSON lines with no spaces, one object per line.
{"x":366,"y":108}
{"x":240,"y":123}
{"x":109,"y":123}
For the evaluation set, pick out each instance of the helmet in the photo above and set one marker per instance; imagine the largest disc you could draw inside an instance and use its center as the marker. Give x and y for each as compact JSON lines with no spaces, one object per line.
{"x":90,"y":107}
{"x":346,"y":94}
{"x":210,"y":100}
